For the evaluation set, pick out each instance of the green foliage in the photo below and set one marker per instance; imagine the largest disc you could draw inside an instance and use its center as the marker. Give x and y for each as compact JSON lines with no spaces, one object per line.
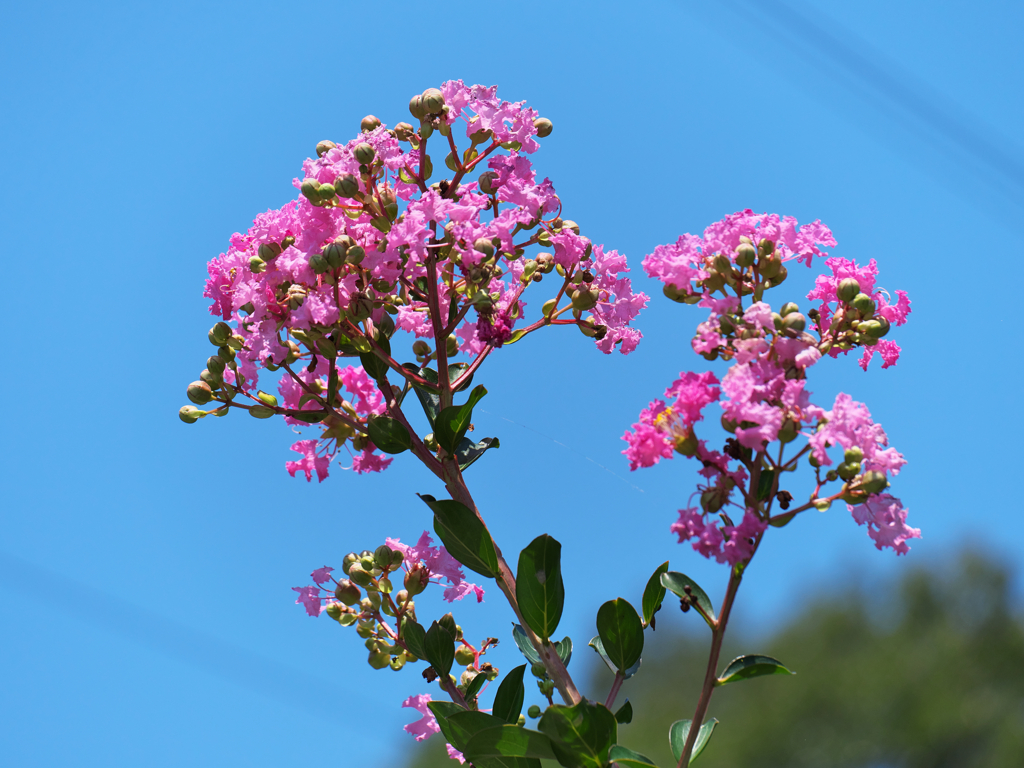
{"x":539,"y":587}
{"x":580,"y":735}
{"x":679,"y":583}
{"x":746,"y":667}
{"x":654,"y":594}
{"x":563,"y":647}
{"x":621,"y":633}
{"x":388,"y":434}
{"x":680,"y":730}
{"x":508,"y":701}
{"x":452,"y":423}
{"x":464,"y":535}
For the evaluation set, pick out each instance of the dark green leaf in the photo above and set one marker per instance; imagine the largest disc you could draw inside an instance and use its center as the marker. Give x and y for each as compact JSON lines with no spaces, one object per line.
{"x":376,"y":368}
{"x":508,"y":701}
{"x":440,"y":649}
{"x":429,"y":399}
{"x":597,"y":645}
{"x":764,"y":484}
{"x":464,"y":724}
{"x":746,"y":667}
{"x":508,"y":741}
{"x":442,"y":711}
{"x":676,"y":583}
{"x":463,"y":535}
{"x":563,"y":647}
{"x":454,"y":371}
{"x":516,"y":336}
{"x":621,"y":633}
{"x":469,"y":451}
{"x":782,"y":520}
{"x":627,"y":757}
{"x":654,"y":593}
{"x":388,"y":434}
{"x":415,"y":638}
{"x":680,"y":729}
{"x":474,"y":687}
{"x":625,"y":714}
{"x":310,"y":417}
{"x":580,"y":735}
{"x":539,"y":587}
{"x":506,"y":762}
{"x":452,"y":422}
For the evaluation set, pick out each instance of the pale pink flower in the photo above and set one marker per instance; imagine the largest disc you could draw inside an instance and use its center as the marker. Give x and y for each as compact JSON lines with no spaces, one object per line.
{"x":309,"y":462}
{"x":427,"y":725}
{"x":886,"y":520}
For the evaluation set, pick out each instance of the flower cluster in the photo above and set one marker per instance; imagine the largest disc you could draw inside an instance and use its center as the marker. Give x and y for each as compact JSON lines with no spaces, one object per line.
{"x":763,"y":395}
{"x":371,"y":247}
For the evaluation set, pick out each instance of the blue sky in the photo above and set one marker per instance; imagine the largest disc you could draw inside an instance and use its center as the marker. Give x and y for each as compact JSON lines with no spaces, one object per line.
{"x":145,"y":566}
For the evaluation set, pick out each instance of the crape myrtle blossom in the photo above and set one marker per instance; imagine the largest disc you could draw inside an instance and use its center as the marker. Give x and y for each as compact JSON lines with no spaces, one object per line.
{"x":371,"y":247}
{"x":427,"y":725}
{"x":421,"y":561}
{"x":763,"y":395}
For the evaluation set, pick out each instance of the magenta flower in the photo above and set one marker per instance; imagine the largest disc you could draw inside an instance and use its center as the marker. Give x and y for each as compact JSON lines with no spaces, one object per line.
{"x":662,"y":427}
{"x":886,"y":520}
{"x":427,"y":725}
{"x":438,"y":565}
{"x":310,"y":462}
{"x":309,"y":598}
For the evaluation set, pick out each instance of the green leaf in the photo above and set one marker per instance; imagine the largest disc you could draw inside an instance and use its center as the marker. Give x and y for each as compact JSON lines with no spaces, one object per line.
{"x":563,"y":647}
{"x":516,"y":336}
{"x":508,"y":701}
{"x":780,"y":521}
{"x":624,"y":716}
{"x":764,"y":484}
{"x":680,"y":729}
{"x":580,"y":735}
{"x":388,"y":434}
{"x":442,"y":711}
{"x":452,"y":422}
{"x":508,"y":741}
{"x":506,"y":762}
{"x":376,"y":368}
{"x":654,"y":593}
{"x":627,"y":757}
{"x":676,"y":583}
{"x":746,"y":667}
{"x":464,"y":724}
{"x":474,"y":687}
{"x":415,"y":638}
{"x":429,"y":399}
{"x":457,"y":369}
{"x":597,"y":645}
{"x":469,"y":451}
{"x":539,"y":588}
{"x":440,"y":649}
{"x":463,"y":535}
{"x":621,"y":633}
{"x":310,"y":417}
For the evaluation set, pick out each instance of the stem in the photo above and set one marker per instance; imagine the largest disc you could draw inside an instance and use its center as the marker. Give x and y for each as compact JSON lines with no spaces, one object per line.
{"x":711,"y":675}
{"x":616,"y":684}
{"x":507,"y":584}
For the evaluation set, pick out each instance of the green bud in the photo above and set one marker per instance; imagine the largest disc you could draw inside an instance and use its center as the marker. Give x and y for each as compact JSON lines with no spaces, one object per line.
{"x":711,"y":500}
{"x":486,"y":181}
{"x":548,"y":308}
{"x":433,"y":101}
{"x":369,"y":123}
{"x":324,"y":147}
{"x":261,"y":412}
{"x":722,"y":264}
{"x":396,"y":559}
{"x":215,"y":365}
{"x":348,"y":560}
{"x":853,"y":455}
{"x":334,"y":611}
{"x":533,"y":711}
{"x":404,"y":131}
{"x":326,"y":192}
{"x":848,"y":288}
{"x":215,"y":380}
{"x":190,"y":414}
{"x":416,"y":108}
{"x":397,"y":662}
{"x":788,"y":308}
{"x":415,"y":580}
{"x":226,"y":353}
{"x":420,"y":348}
{"x":265,"y":398}
{"x":864,"y":304}
{"x":269,"y":251}
{"x":543,"y":126}
{"x":484,"y":246}
{"x":766,"y":247}
{"x":879,"y":327}
{"x":848,"y":470}
{"x":745,"y":255}
{"x":874,"y":482}
{"x":379,"y":659}
{"x":347,"y":592}
{"x":464,"y":656}
{"x":822,"y":505}
{"x":366,"y":560}
{"x":355,"y":254}
{"x":771,"y":267}
{"x":346,"y":185}
{"x":310,"y":189}
{"x":431,"y":442}
{"x":539,"y":670}
{"x":319,"y":264}
{"x":364,"y":153}
{"x":687,"y":444}
{"x":359,"y":576}
{"x":677,"y":295}
{"x":728,"y":425}
{"x":426,"y":131}
{"x":219,"y":334}
{"x":199,"y":392}
{"x":452,"y":346}
{"x":794,"y":322}
{"x":779,"y":278}
{"x":788,"y":431}
{"x":585,"y":299}
{"x":257,"y":265}
{"x":382,"y":556}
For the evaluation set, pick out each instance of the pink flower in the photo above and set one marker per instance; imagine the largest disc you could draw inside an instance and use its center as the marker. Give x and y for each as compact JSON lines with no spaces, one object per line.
{"x":849,"y":425}
{"x":309,"y":462}
{"x":741,"y":538}
{"x":309,"y":597}
{"x":886,"y":520}
{"x":728,"y":544}
{"x":427,"y":725}
{"x":454,"y":754}
{"x":438,"y":565}
{"x":321,"y":575}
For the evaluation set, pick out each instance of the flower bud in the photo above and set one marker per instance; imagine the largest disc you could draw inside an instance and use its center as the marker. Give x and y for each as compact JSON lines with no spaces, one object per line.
{"x":433,"y":101}
{"x":355,"y":254}
{"x":788,"y":431}
{"x":766,"y":247}
{"x":324,"y":147}
{"x":326,"y":192}
{"x":416,"y":108}
{"x":347,"y":562}
{"x":864,"y":304}
{"x":190,"y":414}
{"x":219,"y":334}
{"x":215,"y":365}
{"x":548,"y":308}
{"x":822,"y":505}
{"x":226,"y":353}
{"x":771,"y":267}
{"x":431,"y":442}
{"x":359,"y":576}
{"x":848,"y":470}
{"x":382,"y":556}
{"x":874,"y":482}
{"x":310,"y":189}
{"x":853,"y":455}
{"x":788,"y":308}
{"x":420,"y":348}
{"x":728,"y":424}
{"x":319,"y":264}
{"x":397,"y":662}
{"x":722,"y":264}
{"x":369,"y":123}
{"x":583,"y":300}
{"x":396,"y":559}
{"x":199,"y":392}
{"x":452,"y":346}
{"x":347,"y":592}
{"x":416,"y":580}
{"x":533,"y":711}
{"x":268,"y":251}
{"x":572,"y":225}
{"x":464,"y":656}
{"x":486,"y":181}
{"x":261,"y":412}
{"x":794,"y":322}
{"x":543,"y":127}
{"x":334,"y":611}
{"x":404,"y":131}
{"x":539,"y":670}
{"x":848,"y":288}
{"x":364,"y":153}
{"x":745,"y":255}
{"x":711,"y":500}
{"x":215,"y":380}
{"x":484,"y":246}
{"x":379,"y":659}
{"x":426,"y":131}
{"x":687,"y":444}
{"x":779,"y":278}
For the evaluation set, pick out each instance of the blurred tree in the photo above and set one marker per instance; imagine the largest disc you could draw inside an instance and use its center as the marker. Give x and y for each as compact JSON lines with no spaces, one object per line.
{"x":930,"y":675}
